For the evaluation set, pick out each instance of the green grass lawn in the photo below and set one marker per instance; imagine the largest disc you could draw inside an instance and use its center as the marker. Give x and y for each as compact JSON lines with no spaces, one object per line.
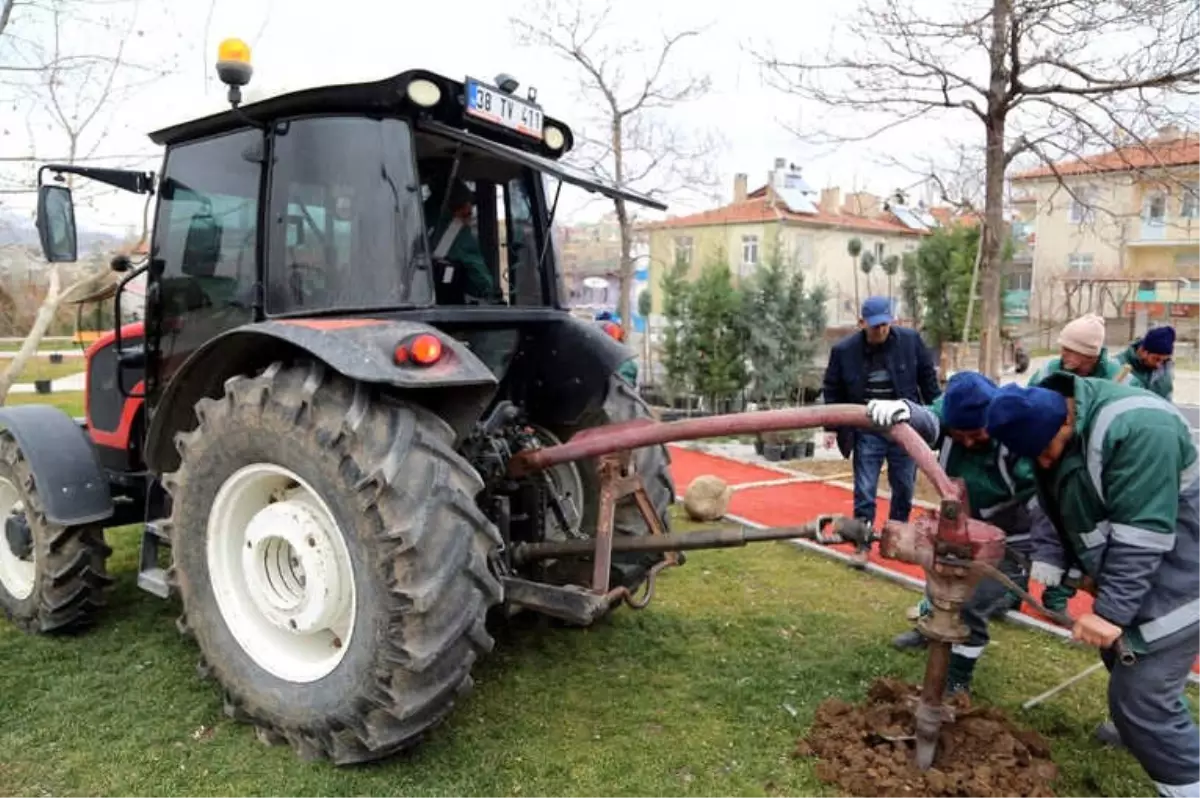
{"x":693,"y":696}
{"x":64,"y":344}
{"x":71,"y":402}
{"x":39,"y":367}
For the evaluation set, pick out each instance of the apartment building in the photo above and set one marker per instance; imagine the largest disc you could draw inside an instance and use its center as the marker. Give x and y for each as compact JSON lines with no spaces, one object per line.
{"x":1123,"y":223}
{"x":813,"y":229}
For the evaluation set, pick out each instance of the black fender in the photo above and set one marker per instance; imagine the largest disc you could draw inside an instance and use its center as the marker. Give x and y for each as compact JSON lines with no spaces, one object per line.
{"x":70,"y":481}
{"x":566,"y":367}
{"x":458,"y":387}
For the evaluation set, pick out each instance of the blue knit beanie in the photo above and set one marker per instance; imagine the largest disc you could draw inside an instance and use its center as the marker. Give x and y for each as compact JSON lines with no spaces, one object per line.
{"x":1026,"y":419}
{"x":965,"y":403}
{"x":1160,"y":341}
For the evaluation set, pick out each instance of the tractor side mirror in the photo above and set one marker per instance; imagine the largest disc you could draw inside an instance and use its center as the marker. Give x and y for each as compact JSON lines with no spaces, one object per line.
{"x":56,"y":223}
{"x":120,"y":264}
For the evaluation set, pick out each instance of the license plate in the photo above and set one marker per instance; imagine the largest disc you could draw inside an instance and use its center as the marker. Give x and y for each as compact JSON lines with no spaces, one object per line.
{"x":491,"y":104}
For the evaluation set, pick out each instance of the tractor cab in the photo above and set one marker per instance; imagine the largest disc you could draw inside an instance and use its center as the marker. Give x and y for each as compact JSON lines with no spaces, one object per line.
{"x":418,"y":197}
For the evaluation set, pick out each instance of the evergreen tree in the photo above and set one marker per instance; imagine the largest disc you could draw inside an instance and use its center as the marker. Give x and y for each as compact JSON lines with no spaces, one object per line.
{"x":764,"y":302}
{"x":677,"y":359}
{"x":866,"y":263}
{"x":854,"y":249}
{"x":910,"y":287}
{"x":717,"y":338}
{"x":891,"y":265}
{"x":945,"y":261}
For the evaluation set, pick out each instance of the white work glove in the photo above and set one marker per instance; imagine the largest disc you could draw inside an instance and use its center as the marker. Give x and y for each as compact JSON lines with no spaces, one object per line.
{"x":1045,"y":573}
{"x":886,"y":412}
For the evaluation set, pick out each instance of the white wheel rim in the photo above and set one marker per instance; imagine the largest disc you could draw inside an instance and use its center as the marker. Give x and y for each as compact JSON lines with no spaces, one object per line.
{"x":281,"y":573}
{"x":16,"y":575}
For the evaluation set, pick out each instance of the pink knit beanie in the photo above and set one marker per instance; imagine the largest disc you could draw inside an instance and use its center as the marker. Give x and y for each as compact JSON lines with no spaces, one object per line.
{"x":1084,"y":335}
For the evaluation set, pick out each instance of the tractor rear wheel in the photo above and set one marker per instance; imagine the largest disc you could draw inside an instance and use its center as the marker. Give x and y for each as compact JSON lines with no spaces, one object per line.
{"x":52,"y":577}
{"x":333,"y":566}
{"x":622,"y":403}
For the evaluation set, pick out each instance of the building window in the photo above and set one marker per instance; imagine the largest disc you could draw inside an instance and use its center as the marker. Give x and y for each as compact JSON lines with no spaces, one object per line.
{"x":1020,"y":280}
{"x":1156,"y":207}
{"x":1079,"y":262}
{"x":749,"y":252}
{"x":1189,"y":204}
{"x":803,"y":251}
{"x":1081,"y":206}
{"x":683,"y":250}
{"x":879,"y":250}
{"x":1187,"y":261}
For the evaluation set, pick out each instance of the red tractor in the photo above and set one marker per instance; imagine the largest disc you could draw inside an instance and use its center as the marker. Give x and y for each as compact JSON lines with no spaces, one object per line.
{"x":315,"y":419}
{"x":357,"y":417}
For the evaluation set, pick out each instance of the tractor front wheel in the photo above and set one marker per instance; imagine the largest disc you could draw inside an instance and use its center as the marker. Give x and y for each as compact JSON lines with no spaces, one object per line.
{"x":52,"y":577}
{"x":333,"y":566}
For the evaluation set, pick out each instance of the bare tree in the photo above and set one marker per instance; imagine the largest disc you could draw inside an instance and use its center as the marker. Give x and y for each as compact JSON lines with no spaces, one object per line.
{"x":1048,"y":79}
{"x":68,"y":67}
{"x":65,"y":64}
{"x":56,"y":295}
{"x":6,"y":8}
{"x":630,"y":142}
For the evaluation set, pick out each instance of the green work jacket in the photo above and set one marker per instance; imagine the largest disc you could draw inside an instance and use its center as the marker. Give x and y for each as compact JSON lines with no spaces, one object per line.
{"x":1159,"y":380}
{"x":1123,"y":499}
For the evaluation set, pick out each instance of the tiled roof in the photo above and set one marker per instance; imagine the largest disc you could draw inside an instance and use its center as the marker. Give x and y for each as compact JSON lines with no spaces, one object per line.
{"x":947,"y":216}
{"x":755,"y":210}
{"x":1179,"y":152}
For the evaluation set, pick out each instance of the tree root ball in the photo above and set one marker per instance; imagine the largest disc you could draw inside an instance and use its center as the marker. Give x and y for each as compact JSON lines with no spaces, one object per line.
{"x":864,"y":750}
{"x":707,"y":498}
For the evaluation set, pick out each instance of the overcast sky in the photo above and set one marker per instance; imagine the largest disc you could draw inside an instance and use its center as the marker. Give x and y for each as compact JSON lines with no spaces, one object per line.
{"x":298,"y":43}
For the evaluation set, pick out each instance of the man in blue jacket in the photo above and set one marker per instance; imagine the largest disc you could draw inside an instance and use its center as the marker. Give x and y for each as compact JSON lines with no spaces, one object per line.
{"x":879,"y":362}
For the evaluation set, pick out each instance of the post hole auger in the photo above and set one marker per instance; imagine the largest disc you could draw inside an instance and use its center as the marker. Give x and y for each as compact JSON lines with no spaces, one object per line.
{"x":944,"y":543}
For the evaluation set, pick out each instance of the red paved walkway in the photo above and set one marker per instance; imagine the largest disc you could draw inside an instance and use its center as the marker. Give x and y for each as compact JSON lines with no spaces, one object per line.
{"x":787,"y":505}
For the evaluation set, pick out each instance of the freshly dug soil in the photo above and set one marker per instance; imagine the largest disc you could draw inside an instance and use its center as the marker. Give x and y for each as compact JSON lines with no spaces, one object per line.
{"x":980,"y":753}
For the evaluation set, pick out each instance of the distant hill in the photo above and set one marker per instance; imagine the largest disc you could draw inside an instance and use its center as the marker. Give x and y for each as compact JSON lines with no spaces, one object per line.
{"x":18,"y":229}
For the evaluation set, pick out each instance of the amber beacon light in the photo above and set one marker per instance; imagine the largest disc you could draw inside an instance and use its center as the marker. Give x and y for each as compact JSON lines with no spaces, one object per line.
{"x":233,"y":67}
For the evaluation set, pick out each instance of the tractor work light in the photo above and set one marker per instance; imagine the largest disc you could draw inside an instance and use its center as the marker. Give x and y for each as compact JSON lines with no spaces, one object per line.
{"x":423,"y":350}
{"x":553,"y":137}
{"x":424,"y":93}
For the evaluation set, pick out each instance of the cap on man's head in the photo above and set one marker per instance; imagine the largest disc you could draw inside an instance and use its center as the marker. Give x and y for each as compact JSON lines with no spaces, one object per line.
{"x":877,"y":310}
{"x":1084,"y":335}
{"x":1160,"y":341}
{"x":1026,"y":419}
{"x":966,"y":400}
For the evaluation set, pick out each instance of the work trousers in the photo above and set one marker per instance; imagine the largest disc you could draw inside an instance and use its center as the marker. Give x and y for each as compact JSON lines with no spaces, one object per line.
{"x":1146,"y":702}
{"x":870,"y":452}
{"x":989,"y":600}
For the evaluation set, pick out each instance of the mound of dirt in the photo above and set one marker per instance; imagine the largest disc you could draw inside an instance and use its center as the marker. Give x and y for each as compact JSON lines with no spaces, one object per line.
{"x":862,"y":749}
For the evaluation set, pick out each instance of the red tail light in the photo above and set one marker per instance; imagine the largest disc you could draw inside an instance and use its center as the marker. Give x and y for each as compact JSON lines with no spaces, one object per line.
{"x":424,"y":350}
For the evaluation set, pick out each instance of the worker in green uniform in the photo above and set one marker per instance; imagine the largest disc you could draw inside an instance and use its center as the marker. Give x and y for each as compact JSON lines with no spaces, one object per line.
{"x":1000,"y":487}
{"x":1147,"y":363}
{"x":454,"y":242}
{"x":1082,"y":351}
{"x":1119,"y":480}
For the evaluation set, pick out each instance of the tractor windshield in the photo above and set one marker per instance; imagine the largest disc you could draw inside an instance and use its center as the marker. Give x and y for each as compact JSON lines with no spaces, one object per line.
{"x":346,"y":218}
